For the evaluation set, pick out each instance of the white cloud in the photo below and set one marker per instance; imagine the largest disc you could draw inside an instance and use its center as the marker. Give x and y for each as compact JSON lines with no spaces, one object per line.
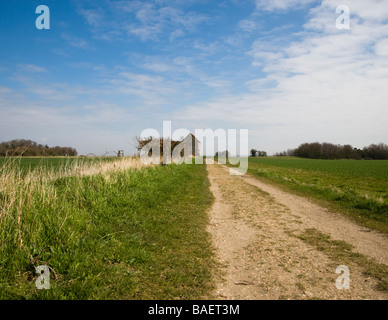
{"x":248,"y":25}
{"x":31,"y":68}
{"x":159,"y":67}
{"x":271,"y":5}
{"x":381,"y":48}
{"x":176,"y":34}
{"x":149,"y":20}
{"x":76,"y":42}
{"x":93,"y":16}
{"x":207,"y":48}
{"x":5,"y":90}
{"x":145,"y":20}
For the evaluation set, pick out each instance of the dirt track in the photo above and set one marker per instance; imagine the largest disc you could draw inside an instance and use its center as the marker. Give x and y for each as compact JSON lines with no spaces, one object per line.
{"x":254,"y":235}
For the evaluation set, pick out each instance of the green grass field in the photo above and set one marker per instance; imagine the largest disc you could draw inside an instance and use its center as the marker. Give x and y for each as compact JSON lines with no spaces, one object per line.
{"x":356,"y":188}
{"x":25,"y":164}
{"x":133,"y":234}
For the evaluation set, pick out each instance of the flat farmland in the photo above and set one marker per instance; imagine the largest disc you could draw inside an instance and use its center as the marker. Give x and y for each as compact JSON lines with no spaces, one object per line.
{"x":25,"y":164}
{"x":357,"y":188}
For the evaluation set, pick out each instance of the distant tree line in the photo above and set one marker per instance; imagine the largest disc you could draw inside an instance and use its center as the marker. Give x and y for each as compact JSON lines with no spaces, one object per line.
{"x":326,"y":150}
{"x":28,"y":148}
{"x":258,"y":153}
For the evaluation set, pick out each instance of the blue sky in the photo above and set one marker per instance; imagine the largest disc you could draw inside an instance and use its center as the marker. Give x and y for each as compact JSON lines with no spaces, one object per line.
{"x":106,"y":70}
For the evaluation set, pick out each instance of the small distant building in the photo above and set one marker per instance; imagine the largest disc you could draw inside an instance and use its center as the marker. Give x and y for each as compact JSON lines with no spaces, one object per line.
{"x":192,"y":144}
{"x":120,"y":153}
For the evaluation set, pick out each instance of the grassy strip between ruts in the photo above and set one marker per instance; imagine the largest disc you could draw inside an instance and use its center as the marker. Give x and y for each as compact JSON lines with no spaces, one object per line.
{"x":342,"y":253}
{"x":137,"y":234}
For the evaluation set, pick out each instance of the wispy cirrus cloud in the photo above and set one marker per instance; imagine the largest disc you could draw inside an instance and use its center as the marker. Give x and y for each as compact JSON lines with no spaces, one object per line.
{"x":94,"y":17}
{"x":270,"y":5}
{"x":248,"y":25}
{"x":145,"y":20}
{"x":31,"y":68}
{"x":76,"y":42}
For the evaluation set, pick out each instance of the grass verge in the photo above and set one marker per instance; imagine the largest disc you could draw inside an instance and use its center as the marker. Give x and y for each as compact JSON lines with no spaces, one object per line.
{"x":132,"y":234}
